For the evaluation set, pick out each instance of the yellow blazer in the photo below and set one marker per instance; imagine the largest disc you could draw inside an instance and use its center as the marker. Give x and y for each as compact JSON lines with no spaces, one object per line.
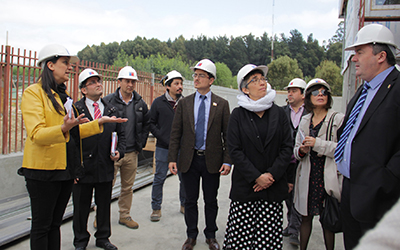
{"x":46,"y":145}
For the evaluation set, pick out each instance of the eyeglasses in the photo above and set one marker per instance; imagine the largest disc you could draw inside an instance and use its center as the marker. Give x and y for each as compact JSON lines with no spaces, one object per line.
{"x":91,"y":82}
{"x":316,"y":92}
{"x":257,"y":81}
{"x":200,"y":76}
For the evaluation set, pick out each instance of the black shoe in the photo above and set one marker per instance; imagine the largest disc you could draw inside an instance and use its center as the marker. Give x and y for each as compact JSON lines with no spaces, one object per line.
{"x":80,"y":248}
{"x":106,"y":245}
{"x":285,"y":232}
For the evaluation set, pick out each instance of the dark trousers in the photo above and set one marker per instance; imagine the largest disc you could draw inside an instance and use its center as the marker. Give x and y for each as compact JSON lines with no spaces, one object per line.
{"x":210,"y":185}
{"x":353,"y":229}
{"x":293,"y":217}
{"x":48,"y":202}
{"x":82,"y":197}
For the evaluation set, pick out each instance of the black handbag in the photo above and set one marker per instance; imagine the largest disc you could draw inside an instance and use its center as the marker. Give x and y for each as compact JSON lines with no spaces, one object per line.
{"x":330,"y":216}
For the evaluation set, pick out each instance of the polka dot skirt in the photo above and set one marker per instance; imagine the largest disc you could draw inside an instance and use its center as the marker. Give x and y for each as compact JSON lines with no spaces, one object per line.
{"x":254,"y":225}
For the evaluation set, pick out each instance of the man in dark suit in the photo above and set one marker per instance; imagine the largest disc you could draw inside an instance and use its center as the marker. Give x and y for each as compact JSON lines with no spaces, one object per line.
{"x":98,"y":165}
{"x":368,"y":150}
{"x":198,"y":136}
{"x":294,"y":111}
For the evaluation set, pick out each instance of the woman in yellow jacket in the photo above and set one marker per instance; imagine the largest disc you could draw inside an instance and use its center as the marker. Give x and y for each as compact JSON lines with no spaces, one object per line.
{"x":52,"y":159}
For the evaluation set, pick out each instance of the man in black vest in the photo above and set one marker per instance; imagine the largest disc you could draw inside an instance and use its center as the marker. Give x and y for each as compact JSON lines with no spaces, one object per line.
{"x":129,"y":105}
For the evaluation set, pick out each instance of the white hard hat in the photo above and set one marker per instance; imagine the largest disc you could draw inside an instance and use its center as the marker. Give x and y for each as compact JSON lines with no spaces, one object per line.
{"x":54,"y":50}
{"x":373,"y":33}
{"x":167,"y":80}
{"x":246,"y":69}
{"x":296,"y":83}
{"x":206,"y":65}
{"x":127,"y":72}
{"x":318,"y":81}
{"x":85,"y":74}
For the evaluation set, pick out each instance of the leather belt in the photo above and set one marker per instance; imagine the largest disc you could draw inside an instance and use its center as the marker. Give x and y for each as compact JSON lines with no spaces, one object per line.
{"x":200,"y":152}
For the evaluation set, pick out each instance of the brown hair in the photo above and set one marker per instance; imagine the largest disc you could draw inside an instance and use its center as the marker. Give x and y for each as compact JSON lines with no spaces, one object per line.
{"x":307,"y":100}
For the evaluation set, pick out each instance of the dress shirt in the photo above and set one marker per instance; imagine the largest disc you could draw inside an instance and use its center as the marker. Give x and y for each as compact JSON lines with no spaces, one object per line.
{"x":89,"y":105}
{"x":207,"y":103}
{"x":296,"y":116}
{"x":122,"y":98}
{"x":344,"y":165}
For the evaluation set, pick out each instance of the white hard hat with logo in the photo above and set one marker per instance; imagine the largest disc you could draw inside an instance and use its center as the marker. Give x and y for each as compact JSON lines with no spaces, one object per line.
{"x":85,"y":74}
{"x":296,"y":83}
{"x":206,"y":65}
{"x":167,"y":80}
{"x":373,"y":33}
{"x":318,"y":81}
{"x":246,"y":69}
{"x":127,"y":72}
{"x":54,"y":50}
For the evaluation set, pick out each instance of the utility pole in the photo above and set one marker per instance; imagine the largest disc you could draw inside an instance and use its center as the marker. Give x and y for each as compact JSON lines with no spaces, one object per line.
{"x":272,"y":38}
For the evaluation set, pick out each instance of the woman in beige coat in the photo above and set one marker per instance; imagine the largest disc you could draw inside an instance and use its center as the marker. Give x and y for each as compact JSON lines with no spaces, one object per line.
{"x":317,"y":174}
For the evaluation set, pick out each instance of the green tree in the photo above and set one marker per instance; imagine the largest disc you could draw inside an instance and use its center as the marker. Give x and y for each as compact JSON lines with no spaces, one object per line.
{"x":330,"y":72}
{"x":339,"y":34}
{"x":224,"y":76}
{"x":282,"y":70}
{"x":334,"y":53}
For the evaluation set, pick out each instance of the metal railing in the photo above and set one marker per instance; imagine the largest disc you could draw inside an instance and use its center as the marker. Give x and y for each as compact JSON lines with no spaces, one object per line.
{"x":18,"y":70}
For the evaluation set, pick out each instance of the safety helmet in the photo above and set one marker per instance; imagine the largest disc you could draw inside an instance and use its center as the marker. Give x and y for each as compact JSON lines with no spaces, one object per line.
{"x":318,"y":81}
{"x":54,"y":50}
{"x":127,"y":72}
{"x":373,"y":33}
{"x":246,"y":69}
{"x":296,"y":83}
{"x":167,"y":80}
{"x":206,"y":65}
{"x":85,"y":74}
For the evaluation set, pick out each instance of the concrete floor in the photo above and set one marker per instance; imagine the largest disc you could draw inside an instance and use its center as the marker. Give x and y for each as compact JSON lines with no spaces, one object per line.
{"x":169,"y":233}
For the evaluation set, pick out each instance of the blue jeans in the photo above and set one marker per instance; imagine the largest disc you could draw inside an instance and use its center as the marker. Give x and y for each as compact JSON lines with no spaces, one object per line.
{"x":159,"y":178}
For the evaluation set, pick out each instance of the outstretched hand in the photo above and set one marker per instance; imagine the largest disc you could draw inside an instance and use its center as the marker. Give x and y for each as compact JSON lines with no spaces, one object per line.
{"x":112,"y":119}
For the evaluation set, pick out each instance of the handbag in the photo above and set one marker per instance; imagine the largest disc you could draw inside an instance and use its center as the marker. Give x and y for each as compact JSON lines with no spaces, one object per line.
{"x":330,"y":217}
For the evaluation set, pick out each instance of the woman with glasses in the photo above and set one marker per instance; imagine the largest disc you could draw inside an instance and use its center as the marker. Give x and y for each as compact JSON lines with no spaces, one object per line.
{"x":317,"y":174}
{"x":260,"y":145}
{"x":52,"y":155}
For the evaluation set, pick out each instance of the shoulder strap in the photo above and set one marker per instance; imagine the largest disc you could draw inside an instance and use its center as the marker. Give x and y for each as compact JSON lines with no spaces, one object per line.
{"x":329,"y":128}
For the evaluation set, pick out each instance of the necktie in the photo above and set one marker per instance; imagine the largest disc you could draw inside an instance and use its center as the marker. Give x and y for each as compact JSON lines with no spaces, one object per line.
{"x":350,"y":123}
{"x":97,"y":113}
{"x":201,"y":119}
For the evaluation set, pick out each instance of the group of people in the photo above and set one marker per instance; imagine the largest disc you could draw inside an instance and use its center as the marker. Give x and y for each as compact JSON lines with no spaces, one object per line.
{"x":300,"y":153}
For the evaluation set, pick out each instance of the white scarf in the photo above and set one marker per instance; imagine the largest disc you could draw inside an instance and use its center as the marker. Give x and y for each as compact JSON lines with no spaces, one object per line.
{"x":259,"y":105}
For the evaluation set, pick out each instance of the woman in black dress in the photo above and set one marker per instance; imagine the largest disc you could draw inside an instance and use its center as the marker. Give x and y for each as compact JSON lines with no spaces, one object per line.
{"x":317,"y":174}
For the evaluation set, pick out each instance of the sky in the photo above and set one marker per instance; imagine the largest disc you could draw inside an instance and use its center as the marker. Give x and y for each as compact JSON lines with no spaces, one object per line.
{"x":32,"y":24}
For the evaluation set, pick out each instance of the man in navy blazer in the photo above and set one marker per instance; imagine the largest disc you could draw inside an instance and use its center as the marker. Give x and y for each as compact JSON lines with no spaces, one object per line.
{"x":208,"y":161}
{"x":370,"y":157}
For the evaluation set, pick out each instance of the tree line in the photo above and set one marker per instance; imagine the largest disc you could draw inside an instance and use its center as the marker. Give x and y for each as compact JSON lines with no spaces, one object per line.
{"x":293,"y":56}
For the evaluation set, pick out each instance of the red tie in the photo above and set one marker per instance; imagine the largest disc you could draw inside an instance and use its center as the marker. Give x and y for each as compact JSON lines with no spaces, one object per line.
{"x":97,"y":113}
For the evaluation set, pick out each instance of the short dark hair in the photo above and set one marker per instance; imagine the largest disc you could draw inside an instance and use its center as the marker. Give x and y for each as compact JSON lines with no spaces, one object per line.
{"x":243,"y":84}
{"x":301,"y":89}
{"x":307,"y":100}
{"x":379,"y":47}
{"x":210,"y":75}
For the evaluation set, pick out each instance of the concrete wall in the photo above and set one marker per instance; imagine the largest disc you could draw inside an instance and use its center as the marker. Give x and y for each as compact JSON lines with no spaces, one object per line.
{"x":11,"y":184}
